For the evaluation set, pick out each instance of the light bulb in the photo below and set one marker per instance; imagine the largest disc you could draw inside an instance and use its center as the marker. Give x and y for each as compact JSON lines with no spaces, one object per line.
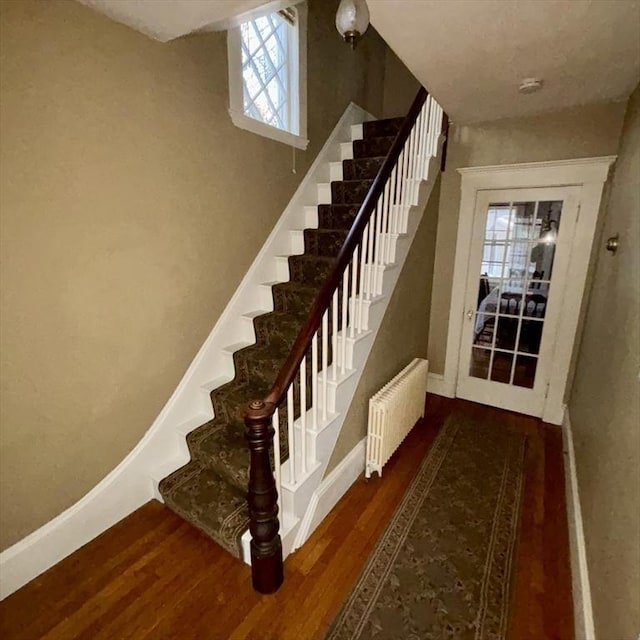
{"x":352,"y":19}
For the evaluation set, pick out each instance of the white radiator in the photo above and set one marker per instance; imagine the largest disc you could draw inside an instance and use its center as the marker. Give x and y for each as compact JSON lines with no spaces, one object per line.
{"x":393,"y":412}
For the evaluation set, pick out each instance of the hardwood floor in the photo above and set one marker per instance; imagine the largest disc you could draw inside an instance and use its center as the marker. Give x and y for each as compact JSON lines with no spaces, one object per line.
{"x":152,"y":576}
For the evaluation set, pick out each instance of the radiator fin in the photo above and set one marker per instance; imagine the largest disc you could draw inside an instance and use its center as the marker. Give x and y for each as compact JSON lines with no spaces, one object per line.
{"x":393,"y":412}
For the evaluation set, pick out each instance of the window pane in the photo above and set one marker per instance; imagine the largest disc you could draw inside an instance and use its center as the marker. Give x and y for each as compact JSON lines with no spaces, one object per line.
{"x":525,"y":371}
{"x":501,"y":367}
{"x":479,"y":365}
{"x":266,"y":69}
{"x":523,"y":222}
{"x":516,"y":270}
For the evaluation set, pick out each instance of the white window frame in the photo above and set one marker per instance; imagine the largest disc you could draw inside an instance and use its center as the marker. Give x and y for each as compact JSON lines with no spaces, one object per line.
{"x":297,"y":88}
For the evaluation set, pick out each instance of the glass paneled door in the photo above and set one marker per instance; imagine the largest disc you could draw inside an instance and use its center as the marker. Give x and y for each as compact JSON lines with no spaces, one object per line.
{"x":520,"y":251}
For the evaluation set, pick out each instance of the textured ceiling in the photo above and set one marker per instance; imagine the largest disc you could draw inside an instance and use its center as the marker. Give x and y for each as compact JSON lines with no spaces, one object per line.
{"x":472,"y":54}
{"x":168,"y":19}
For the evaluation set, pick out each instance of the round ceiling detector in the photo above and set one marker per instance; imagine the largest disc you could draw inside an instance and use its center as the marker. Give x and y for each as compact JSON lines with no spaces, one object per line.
{"x":530,"y":85}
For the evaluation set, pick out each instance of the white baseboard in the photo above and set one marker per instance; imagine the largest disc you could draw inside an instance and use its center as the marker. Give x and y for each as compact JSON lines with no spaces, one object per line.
{"x":331,"y":489}
{"x":582,"y":610}
{"x":118,"y":495}
{"x":436,"y":384}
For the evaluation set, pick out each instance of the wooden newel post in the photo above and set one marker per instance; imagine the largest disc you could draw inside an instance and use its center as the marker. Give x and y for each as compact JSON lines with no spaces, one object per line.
{"x":266,"y":547}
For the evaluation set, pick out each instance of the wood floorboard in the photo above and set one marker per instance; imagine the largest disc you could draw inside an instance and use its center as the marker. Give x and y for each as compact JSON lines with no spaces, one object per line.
{"x":154,"y":577}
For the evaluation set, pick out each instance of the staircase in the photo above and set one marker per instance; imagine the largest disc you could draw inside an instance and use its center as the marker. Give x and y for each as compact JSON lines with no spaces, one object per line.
{"x":304,"y":349}
{"x":210,"y":491}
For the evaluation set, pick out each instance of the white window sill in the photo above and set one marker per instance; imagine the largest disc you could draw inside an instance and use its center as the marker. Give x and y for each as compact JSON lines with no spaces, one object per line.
{"x":262,"y":129}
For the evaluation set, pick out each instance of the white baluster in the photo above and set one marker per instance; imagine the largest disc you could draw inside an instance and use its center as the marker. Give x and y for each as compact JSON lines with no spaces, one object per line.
{"x":345,"y":283}
{"x":314,"y":381}
{"x":361,"y":278}
{"x":409,"y":174}
{"x":378,"y":247}
{"x":276,"y":459}
{"x":405,"y":175}
{"x":425,"y":130}
{"x":290,"y":436}
{"x":354,"y":275}
{"x":400,"y":189}
{"x":412,"y":170}
{"x":392,"y":214}
{"x":303,"y":415}
{"x":334,"y":335}
{"x":416,"y":158}
{"x":434,"y":133}
{"x":385,"y":225}
{"x":423,"y":122}
{"x":371,"y":226}
{"x":439,"y":122}
{"x":325,"y":362}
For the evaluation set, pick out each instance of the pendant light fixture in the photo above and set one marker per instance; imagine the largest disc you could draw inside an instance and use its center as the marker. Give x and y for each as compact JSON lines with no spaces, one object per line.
{"x":352,"y":20}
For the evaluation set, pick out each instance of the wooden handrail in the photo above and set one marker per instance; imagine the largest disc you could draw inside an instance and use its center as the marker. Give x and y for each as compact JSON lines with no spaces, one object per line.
{"x":266,"y":546}
{"x":303,"y":341}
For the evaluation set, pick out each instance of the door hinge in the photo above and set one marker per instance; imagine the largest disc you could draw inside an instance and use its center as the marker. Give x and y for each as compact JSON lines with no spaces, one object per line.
{"x":579,"y":210}
{"x":546,"y":391}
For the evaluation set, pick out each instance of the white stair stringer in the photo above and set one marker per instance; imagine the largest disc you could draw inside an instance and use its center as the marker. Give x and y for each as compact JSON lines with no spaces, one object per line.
{"x":163,"y":448}
{"x":299,"y":501}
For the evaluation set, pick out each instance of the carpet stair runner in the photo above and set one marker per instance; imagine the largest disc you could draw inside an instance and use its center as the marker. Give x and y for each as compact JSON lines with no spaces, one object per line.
{"x":210,"y":491}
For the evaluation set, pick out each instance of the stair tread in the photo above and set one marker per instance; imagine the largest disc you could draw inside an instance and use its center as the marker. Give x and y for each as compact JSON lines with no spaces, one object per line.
{"x":374,"y":128}
{"x":355,"y":181}
{"x":372,"y":147}
{"x":224,"y":449}
{"x":361,"y":168}
{"x":202,"y":497}
{"x":304,"y":257}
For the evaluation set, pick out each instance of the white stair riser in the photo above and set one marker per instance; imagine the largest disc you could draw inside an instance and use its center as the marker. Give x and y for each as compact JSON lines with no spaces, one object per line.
{"x":346,"y":151}
{"x":311,"y":217}
{"x":335,"y":172}
{"x":324,"y":193}
{"x":282,"y":269}
{"x":296,"y":238}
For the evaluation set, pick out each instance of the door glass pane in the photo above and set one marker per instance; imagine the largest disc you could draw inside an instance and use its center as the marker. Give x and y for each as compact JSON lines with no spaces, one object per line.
{"x":525,"y":371}
{"x":479,"y":366}
{"x":513,"y":289}
{"x":484,"y":329}
{"x":507,"y":332}
{"x":523,"y":220}
{"x":536,"y":300}
{"x":511,"y":297}
{"x":501,"y":366}
{"x":530,"y":336}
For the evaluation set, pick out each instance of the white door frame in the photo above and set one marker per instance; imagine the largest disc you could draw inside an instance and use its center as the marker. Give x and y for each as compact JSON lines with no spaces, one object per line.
{"x":589,"y":174}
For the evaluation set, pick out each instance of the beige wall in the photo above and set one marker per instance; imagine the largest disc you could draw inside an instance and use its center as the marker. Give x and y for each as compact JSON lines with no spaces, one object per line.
{"x":586,"y":131}
{"x":605,"y":404}
{"x":403,"y":334}
{"x":131,"y":209}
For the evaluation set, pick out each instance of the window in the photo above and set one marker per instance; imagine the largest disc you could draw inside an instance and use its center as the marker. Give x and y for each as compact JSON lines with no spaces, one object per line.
{"x":267,"y":75}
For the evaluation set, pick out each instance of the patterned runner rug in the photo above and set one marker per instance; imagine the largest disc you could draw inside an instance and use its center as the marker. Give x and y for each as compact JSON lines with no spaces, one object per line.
{"x":442,"y":569}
